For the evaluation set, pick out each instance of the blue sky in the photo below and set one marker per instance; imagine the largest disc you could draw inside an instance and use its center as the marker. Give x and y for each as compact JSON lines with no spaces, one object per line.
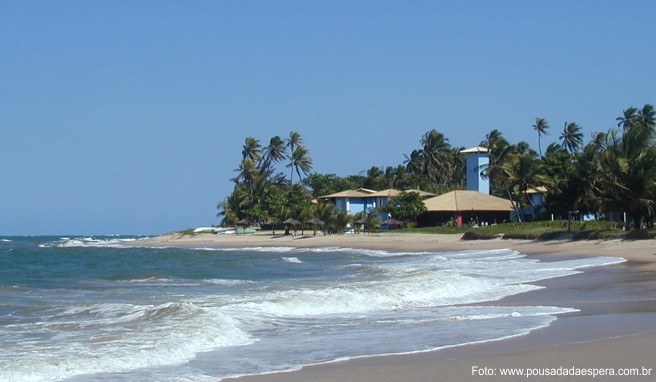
{"x":128,"y":117}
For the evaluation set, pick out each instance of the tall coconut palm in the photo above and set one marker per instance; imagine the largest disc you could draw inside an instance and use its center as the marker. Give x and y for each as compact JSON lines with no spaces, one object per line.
{"x":300,"y":161}
{"x":628,"y":165}
{"x":414,"y":163}
{"x":294,"y":141}
{"x":572,"y":180}
{"x":375,"y":178}
{"x":587,"y":177}
{"x":498,"y":149}
{"x":273,"y":153}
{"x":393,"y":175}
{"x":628,"y":170}
{"x":438,"y":157}
{"x":232,"y":206}
{"x":572,"y":137}
{"x":521,"y":171}
{"x":247,"y":175}
{"x":647,"y":117}
{"x":251,"y":149}
{"x":495,"y":142}
{"x":628,"y":119}
{"x":541,"y":126}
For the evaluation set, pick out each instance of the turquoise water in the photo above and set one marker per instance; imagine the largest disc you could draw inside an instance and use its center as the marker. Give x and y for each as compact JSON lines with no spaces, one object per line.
{"x":91,"y":308}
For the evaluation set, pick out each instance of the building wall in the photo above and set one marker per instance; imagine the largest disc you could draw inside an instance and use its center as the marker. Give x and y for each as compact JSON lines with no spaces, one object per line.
{"x":476,"y":164}
{"x":340,"y":204}
{"x":436,"y":219}
{"x":354,"y":205}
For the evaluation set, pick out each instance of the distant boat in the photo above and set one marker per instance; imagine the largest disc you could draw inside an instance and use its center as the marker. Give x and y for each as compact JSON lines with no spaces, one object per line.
{"x":215,"y":230}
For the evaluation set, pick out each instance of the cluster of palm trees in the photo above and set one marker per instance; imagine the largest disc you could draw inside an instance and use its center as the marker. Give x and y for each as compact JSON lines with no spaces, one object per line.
{"x":260,"y":191}
{"x":614,"y":172}
{"x":610,"y":174}
{"x":438,"y":162}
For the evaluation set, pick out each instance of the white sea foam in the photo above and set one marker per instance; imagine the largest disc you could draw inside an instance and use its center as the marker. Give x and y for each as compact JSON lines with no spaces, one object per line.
{"x":227,"y":282}
{"x":293,"y":260}
{"x":116,"y":338}
{"x":250,"y":249}
{"x":89,"y":242}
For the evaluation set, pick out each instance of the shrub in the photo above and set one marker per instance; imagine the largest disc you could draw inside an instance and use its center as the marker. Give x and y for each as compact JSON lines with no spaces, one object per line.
{"x":474,"y":235}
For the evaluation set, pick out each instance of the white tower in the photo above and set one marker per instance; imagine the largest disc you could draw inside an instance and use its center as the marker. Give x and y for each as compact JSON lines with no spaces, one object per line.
{"x":477,"y":161}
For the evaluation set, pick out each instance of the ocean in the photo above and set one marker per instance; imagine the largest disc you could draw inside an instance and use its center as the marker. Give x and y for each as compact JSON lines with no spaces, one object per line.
{"x":93,"y":309}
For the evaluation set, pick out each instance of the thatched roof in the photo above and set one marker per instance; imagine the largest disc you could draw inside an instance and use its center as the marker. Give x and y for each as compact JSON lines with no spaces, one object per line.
{"x":461,"y":200}
{"x":359,"y":193}
{"x":391,"y":192}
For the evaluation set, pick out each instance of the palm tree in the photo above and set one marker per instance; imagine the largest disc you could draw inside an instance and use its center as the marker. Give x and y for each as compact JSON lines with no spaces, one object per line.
{"x":414,"y":163}
{"x":572,"y":180}
{"x":232,"y":206}
{"x":587,"y":179}
{"x":301,"y":161}
{"x":251,"y":149}
{"x":495,"y":142}
{"x":522,"y":148}
{"x":273,"y":153}
{"x":373,"y":221}
{"x":438,"y":157}
{"x":598,"y":143}
{"x":498,"y":149}
{"x":393,"y":175}
{"x":375,"y":179}
{"x":572,"y":137}
{"x":247,"y":175}
{"x":628,"y":118}
{"x":628,"y":166}
{"x":521,"y":170}
{"x":647,"y":117}
{"x":324,"y":211}
{"x":458,"y":177}
{"x":542,"y":127}
{"x":293,"y":142}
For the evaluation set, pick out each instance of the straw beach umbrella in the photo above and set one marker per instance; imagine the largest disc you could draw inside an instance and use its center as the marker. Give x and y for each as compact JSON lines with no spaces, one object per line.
{"x":314,"y":223}
{"x":362,"y":221}
{"x":392,"y":223}
{"x":243,"y":223}
{"x":290,"y":222}
{"x":273,"y":223}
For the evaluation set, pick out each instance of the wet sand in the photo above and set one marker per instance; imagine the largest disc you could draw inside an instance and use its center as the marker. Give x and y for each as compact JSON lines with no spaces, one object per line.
{"x":615,"y":329}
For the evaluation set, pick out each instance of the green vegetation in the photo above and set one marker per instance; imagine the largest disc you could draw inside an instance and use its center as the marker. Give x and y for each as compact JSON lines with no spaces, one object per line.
{"x":407,"y":206}
{"x":613,"y":173}
{"x":539,"y":230}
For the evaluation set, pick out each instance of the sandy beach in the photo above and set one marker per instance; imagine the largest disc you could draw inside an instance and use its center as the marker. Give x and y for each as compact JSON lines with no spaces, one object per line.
{"x":613,"y":334}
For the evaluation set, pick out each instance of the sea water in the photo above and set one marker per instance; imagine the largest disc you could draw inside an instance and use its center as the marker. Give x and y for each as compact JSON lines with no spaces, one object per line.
{"x":94,"y":309}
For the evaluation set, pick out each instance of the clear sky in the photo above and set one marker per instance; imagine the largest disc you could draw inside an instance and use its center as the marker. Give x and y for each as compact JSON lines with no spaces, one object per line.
{"x":128,"y":117}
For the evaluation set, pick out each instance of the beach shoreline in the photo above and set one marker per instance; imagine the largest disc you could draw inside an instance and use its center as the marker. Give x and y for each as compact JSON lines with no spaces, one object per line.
{"x":611,"y":332}
{"x":639,"y":251}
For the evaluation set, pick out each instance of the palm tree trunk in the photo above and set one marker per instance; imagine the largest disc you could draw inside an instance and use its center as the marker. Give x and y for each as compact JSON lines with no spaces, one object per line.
{"x":636,"y":216}
{"x":535,"y":212}
{"x":517,"y":211}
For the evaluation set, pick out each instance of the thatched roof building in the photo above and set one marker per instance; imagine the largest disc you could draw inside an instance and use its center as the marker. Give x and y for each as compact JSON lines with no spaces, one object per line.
{"x":463,"y":206}
{"x":359,"y":193}
{"x":391,"y":192}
